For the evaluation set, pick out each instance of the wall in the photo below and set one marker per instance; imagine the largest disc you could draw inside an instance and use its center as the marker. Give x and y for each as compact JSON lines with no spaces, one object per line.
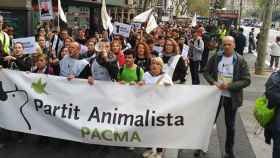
{"x":26,"y":4}
{"x":108,"y":2}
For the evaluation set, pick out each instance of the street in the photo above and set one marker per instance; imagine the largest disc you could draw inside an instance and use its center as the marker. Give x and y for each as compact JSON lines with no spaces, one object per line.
{"x":271,"y":38}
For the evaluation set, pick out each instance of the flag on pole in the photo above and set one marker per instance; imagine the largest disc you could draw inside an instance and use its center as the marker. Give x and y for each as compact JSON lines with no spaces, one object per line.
{"x":61,"y":12}
{"x":143,"y":17}
{"x":152,"y":24}
{"x":194,"y":23}
{"x":106,"y":19}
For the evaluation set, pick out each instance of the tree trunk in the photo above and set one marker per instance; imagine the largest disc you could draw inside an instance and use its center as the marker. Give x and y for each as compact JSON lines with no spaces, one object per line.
{"x":263,"y":38}
{"x":146,"y":2}
{"x":232,"y":4}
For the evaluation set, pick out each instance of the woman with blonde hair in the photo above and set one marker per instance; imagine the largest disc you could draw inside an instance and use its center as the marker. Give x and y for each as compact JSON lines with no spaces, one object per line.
{"x":116,"y":48}
{"x":155,"y":76}
{"x":174,"y":63}
{"x":67,"y":41}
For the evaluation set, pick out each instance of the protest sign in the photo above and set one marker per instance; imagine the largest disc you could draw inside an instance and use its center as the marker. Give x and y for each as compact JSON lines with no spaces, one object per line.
{"x":29,"y":44}
{"x":45,"y":9}
{"x":121,"y":29}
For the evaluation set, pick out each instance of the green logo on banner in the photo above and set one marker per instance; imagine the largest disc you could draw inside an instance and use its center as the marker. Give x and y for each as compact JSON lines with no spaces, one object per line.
{"x":39,"y":87}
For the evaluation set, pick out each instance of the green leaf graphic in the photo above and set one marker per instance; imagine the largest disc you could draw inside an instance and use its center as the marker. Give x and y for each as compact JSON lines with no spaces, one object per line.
{"x":39,"y":87}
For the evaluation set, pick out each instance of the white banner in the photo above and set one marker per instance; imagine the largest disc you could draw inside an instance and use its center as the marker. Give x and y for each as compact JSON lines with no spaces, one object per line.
{"x":108,"y":113}
{"x":29,"y":44}
{"x":45,"y":9}
{"x":121,"y":29}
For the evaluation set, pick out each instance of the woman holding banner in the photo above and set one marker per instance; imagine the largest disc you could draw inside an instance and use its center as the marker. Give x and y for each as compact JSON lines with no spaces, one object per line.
{"x":155,"y":76}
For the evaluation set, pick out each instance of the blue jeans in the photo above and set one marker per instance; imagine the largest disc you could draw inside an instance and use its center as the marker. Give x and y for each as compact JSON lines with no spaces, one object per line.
{"x":276,"y":144}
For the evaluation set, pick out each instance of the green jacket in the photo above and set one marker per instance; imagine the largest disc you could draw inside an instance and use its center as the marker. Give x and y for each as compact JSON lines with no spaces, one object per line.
{"x":241,"y":76}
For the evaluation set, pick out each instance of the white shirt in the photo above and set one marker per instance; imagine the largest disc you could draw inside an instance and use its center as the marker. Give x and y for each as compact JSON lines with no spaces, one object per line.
{"x":159,"y":80}
{"x":70,"y":66}
{"x":225,"y":72}
{"x":275,"y":49}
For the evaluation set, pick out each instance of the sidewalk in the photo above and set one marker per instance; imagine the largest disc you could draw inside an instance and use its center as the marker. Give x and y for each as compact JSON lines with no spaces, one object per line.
{"x":256,"y":89}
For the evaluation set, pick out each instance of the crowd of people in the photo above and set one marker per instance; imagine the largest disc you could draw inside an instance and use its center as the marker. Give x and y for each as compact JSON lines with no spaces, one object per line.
{"x":163,"y":57}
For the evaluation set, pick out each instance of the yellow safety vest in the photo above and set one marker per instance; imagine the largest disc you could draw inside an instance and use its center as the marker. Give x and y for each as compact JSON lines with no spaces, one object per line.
{"x":5,"y":41}
{"x":222,"y":33}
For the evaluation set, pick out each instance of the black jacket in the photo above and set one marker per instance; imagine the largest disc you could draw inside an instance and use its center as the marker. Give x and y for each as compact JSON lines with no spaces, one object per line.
{"x":143,"y":63}
{"x":240,"y":41}
{"x":22,"y":63}
{"x":180,"y":71}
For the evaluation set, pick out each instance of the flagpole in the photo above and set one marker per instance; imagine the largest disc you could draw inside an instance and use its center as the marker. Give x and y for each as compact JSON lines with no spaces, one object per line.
{"x":141,"y":35}
{"x":58,"y":26}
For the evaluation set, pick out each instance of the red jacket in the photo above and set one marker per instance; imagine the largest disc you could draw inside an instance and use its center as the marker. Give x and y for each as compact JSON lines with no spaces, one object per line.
{"x":121,"y":59}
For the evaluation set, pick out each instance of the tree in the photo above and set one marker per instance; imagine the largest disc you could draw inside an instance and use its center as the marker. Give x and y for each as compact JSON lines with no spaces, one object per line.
{"x":263,"y":38}
{"x":182,"y":7}
{"x":146,"y":3}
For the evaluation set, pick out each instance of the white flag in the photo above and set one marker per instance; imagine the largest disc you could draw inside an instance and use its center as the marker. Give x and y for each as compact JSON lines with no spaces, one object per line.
{"x":143,"y":17}
{"x":61,"y":12}
{"x":194,"y":23}
{"x":106,"y":19}
{"x":152,"y":24}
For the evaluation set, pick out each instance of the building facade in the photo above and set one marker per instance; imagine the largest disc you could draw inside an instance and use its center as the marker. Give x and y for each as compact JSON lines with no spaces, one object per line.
{"x":24,"y":16}
{"x":18,"y":14}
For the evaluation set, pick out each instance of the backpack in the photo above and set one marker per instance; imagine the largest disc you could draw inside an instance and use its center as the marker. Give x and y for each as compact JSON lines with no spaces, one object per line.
{"x":138,"y":70}
{"x":266,"y":106}
{"x":262,"y":113}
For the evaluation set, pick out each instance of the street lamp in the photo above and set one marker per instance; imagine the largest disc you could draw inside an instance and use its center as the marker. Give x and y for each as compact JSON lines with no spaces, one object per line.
{"x":170,"y":10}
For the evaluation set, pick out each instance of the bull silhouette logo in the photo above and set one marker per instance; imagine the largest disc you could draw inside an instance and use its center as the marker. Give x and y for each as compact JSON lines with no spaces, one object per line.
{"x":4,"y":97}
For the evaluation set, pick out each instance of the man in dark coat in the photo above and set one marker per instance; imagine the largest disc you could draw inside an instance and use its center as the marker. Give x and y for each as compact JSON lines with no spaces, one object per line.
{"x":229,"y":72}
{"x":240,"y":41}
